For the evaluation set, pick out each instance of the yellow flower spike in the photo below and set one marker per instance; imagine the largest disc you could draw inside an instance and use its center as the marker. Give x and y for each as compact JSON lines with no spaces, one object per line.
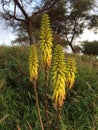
{"x":71,"y":71}
{"x":33,"y":63}
{"x":46,"y":41}
{"x":58,"y":76}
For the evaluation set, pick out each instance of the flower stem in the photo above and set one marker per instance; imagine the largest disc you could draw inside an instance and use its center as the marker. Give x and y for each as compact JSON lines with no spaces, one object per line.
{"x":37,"y":105}
{"x":57,"y":117}
{"x":46,"y":99}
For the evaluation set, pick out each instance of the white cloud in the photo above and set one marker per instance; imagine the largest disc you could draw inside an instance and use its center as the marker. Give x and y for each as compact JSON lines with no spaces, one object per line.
{"x":89,"y":35}
{"x":6,"y":35}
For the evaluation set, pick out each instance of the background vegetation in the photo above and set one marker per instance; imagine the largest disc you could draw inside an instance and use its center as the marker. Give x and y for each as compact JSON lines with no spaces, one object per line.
{"x":90,"y":48}
{"x":17,"y":101}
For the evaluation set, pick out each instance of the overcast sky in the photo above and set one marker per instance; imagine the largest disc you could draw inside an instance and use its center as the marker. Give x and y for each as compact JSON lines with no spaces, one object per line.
{"x":6,"y":36}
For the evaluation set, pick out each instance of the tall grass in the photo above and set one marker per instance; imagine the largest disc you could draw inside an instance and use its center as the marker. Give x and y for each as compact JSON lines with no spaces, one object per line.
{"x":17,"y":101}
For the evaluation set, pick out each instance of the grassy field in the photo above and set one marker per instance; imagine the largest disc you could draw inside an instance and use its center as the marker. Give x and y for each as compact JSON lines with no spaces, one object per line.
{"x":17,"y":101}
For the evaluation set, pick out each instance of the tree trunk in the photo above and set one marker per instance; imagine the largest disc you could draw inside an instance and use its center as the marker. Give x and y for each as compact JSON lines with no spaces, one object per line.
{"x":30,"y":35}
{"x":70,"y":43}
{"x":73,"y":49}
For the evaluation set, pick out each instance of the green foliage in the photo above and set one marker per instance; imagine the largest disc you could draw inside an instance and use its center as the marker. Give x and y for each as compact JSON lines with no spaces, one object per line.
{"x":19,"y":106}
{"x":90,"y":48}
{"x":13,"y":66}
{"x":17,"y":103}
{"x":82,"y":5}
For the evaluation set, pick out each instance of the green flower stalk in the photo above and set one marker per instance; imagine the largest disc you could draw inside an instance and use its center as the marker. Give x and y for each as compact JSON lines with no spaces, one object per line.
{"x":33,"y":68}
{"x":46,"y":41}
{"x":71,"y":71}
{"x":58,"y":76}
{"x":33,"y":63}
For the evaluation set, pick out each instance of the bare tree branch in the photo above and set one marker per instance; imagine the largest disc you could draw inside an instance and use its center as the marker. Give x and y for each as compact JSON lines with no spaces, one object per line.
{"x":47,"y":5}
{"x":14,"y":9}
{"x":22,"y":9}
{"x":9,"y":15}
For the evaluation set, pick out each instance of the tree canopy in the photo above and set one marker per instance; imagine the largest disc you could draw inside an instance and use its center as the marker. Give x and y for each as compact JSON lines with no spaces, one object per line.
{"x":90,"y":48}
{"x":69,"y":19}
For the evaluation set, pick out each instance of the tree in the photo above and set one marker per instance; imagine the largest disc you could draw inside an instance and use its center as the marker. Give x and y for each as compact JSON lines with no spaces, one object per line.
{"x":90,"y":48}
{"x":18,"y":12}
{"x":68,"y":19}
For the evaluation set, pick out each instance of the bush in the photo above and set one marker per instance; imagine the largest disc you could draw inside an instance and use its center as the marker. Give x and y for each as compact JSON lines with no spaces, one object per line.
{"x":17,"y":103}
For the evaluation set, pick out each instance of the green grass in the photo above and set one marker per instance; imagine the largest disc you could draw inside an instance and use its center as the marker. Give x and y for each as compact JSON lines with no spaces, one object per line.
{"x":17,"y":103}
